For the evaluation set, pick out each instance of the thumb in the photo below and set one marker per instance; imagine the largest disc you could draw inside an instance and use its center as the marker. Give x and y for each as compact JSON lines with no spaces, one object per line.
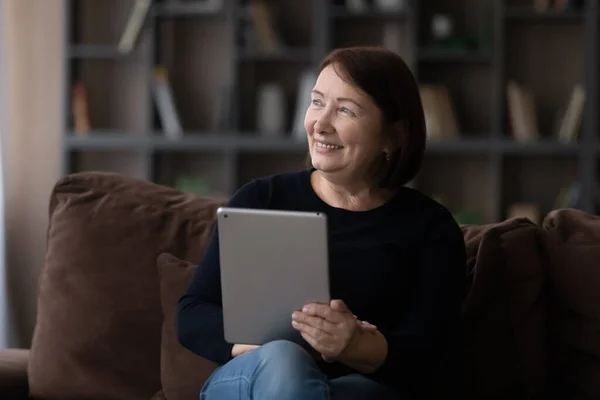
{"x":338,"y":305}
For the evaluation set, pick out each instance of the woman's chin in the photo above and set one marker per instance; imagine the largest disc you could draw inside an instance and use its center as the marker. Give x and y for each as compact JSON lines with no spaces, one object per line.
{"x":324,"y":164}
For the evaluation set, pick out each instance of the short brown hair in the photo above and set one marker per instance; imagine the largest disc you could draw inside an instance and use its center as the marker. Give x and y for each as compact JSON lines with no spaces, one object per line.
{"x":387,"y":80}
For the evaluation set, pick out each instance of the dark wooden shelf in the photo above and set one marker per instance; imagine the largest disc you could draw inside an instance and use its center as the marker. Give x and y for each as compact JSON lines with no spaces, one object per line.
{"x":459,"y":56}
{"x":192,"y":142}
{"x":460,"y":146}
{"x":253,"y":142}
{"x":105,"y":140}
{"x":298,"y":54}
{"x":527,"y":14}
{"x":204,"y":53}
{"x":342,"y":13}
{"x":249,"y":144}
{"x":186,"y":9}
{"x":501,"y":146}
{"x":90,"y":51}
{"x":544,"y":147}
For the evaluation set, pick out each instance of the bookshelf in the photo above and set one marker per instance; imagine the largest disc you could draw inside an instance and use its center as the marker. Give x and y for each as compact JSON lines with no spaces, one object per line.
{"x":216,"y":70}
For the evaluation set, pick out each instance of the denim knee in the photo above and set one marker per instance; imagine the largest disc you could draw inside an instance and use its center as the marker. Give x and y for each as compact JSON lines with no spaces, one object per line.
{"x":283,"y":351}
{"x":287,"y":369}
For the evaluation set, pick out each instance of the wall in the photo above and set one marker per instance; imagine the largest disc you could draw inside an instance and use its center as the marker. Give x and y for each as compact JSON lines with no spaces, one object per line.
{"x":34,"y":54}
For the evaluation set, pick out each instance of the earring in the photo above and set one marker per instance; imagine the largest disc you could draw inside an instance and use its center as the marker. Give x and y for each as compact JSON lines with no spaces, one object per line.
{"x":387,"y":156}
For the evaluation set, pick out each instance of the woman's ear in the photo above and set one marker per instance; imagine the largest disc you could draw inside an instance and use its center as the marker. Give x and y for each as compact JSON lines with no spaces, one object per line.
{"x":393,"y":137}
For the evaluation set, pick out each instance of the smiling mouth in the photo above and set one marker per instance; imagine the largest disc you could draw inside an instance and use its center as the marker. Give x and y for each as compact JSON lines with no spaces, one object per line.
{"x":328,"y":146}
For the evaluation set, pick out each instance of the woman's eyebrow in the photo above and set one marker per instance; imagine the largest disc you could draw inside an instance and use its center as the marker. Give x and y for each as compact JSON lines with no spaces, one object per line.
{"x":340,"y":99}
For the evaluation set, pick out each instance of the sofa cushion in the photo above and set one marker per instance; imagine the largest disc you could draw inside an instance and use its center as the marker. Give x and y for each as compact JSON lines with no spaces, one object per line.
{"x":504,"y":312}
{"x":183,"y":372}
{"x":572,"y":244}
{"x":13,"y":374}
{"x":99,"y":318}
{"x":160,"y":395}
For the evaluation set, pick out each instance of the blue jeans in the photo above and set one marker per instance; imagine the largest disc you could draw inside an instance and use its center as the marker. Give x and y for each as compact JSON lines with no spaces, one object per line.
{"x":283,"y":370}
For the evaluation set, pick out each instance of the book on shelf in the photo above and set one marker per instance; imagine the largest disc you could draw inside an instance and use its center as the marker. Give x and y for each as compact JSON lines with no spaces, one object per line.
{"x":541,"y":5}
{"x":261,"y":15}
{"x":531,"y":211}
{"x":568,"y":196}
{"x":165,"y":103}
{"x":223,"y":112}
{"x":440,"y":116}
{"x":569,"y":5}
{"x":80,"y":109}
{"x":522,"y":112}
{"x":133,"y":28}
{"x":569,"y":122}
{"x":557,"y":5}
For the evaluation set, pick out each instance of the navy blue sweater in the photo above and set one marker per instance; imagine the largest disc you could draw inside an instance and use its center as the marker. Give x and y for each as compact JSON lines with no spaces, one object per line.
{"x":400,"y":266}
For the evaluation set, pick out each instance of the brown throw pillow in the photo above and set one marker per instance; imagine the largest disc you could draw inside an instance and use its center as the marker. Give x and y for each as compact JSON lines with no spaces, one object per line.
{"x":572,"y":244}
{"x":504,"y":312}
{"x":99,"y":318}
{"x":182,"y":372}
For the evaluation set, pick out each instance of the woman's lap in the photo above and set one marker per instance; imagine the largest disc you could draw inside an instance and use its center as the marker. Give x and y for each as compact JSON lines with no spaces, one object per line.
{"x":358,"y":387}
{"x":283,"y":370}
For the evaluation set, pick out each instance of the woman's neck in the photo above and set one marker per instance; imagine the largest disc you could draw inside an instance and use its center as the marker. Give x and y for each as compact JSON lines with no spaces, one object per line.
{"x":353,"y":196}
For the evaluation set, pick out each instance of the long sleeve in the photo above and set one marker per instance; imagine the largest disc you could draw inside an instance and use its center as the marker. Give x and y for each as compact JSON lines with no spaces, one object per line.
{"x":199,"y":311}
{"x":420,"y":340}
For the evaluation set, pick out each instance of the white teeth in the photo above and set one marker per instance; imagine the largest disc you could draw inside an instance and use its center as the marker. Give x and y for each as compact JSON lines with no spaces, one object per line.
{"x":328,"y":146}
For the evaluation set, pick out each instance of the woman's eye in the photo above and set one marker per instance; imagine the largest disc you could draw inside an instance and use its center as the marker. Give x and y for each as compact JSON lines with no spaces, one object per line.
{"x":316,"y":102}
{"x":346,"y":110}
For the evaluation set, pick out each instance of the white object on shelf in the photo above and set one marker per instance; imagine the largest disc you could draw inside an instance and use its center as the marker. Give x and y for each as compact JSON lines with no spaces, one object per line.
{"x":202,"y":6}
{"x":390,"y":5}
{"x":442,"y":26}
{"x":270,"y":110}
{"x":306,"y":84}
{"x":392,"y":37}
{"x":357,"y":6}
{"x":165,"y":104}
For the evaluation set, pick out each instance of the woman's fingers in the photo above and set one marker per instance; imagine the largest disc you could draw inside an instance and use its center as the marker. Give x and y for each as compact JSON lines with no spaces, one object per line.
{"x":315,"y":322}
{"x":323,"y":311}
{"x":367,"y":326}
{"x":339,"y":305}
{"x":316,"y":333}
{"x":314,"y":343}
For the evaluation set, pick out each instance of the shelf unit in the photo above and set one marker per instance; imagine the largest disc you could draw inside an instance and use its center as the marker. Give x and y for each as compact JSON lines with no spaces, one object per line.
{"x":484,"y":171}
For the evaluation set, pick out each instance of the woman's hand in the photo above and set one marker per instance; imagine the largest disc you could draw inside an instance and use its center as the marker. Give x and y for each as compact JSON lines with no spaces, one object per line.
{"x":329,"y":329}
{"x":239,"y":349}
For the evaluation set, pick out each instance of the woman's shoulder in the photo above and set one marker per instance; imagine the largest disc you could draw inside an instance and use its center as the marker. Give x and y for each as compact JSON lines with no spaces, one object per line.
{"x":262,"y":191}
{"x":427,"y":211}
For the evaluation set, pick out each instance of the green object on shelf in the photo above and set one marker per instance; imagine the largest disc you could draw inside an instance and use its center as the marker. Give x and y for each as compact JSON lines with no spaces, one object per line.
{"x":462,"y":217}
{"x":466,"y":217}
{"x":197,"y":186}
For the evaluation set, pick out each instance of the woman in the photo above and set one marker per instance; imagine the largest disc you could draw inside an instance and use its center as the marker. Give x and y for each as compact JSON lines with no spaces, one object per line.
{"x":397,"y":258}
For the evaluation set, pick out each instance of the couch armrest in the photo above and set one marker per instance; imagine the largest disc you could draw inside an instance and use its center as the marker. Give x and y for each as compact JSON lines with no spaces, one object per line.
{"x":13,"y":374}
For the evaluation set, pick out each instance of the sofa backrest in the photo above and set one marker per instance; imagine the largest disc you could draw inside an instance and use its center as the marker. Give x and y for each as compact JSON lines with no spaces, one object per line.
{"x":98,"y":333}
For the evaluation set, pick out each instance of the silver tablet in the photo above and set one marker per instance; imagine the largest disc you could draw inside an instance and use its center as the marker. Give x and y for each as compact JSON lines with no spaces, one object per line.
{"x":272,"y":263}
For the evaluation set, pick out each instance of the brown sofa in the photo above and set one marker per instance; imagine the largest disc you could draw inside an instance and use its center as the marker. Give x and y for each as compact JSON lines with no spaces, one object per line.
{"x":120,"y":252}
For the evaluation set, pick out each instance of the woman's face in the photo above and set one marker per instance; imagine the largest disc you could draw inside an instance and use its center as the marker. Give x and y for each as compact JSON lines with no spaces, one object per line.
{"x":344,"y":127}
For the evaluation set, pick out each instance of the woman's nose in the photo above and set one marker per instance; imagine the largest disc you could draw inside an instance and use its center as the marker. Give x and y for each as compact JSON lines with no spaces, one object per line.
{"x":323,"y":123}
